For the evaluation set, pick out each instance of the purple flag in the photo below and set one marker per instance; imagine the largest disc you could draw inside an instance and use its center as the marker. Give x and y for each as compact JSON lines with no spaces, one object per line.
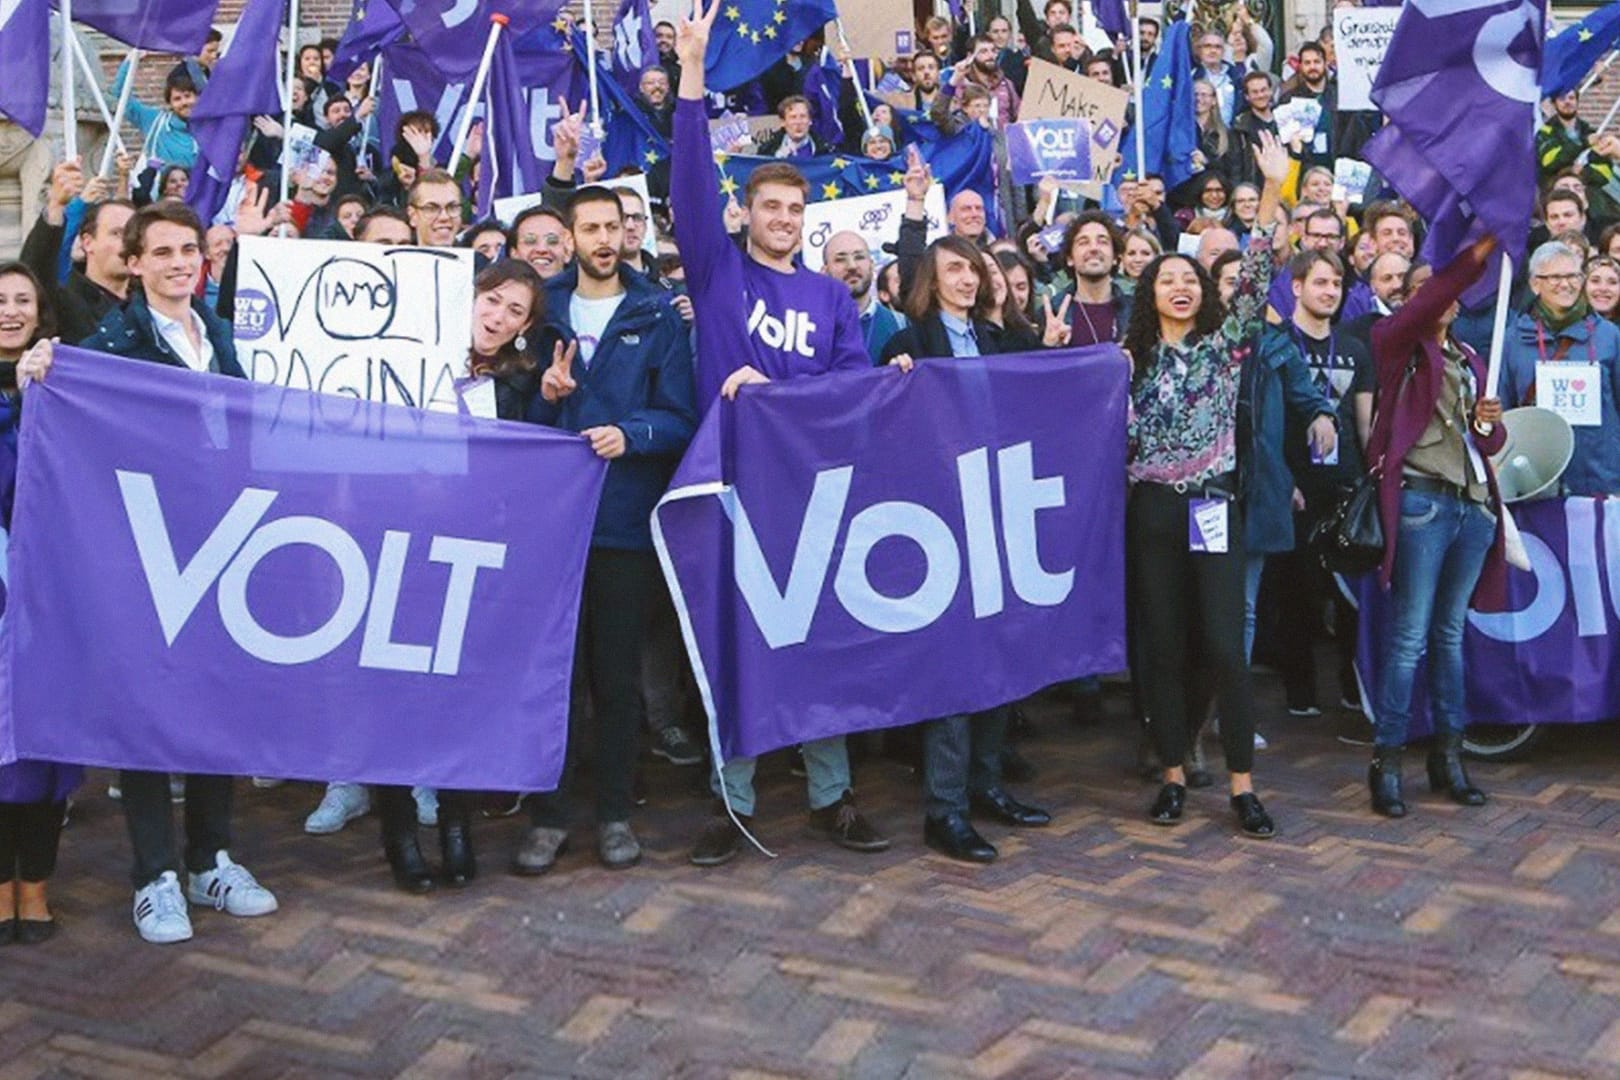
{"x":634,"y":47}
{"x":1482,"y":60}
{"x":177,"y":26}
{"x":452,"y":32}
{"x":289,"y":584}
{"x":1112,"y":17}
{"x":25,"y":42}
{"x":245,"y":84}
{"x":842,"y":564}
{"x":374,"y":25}
{"x":509,"y":165}
{"x":823,"y":84}
{"x":1552,"y":656}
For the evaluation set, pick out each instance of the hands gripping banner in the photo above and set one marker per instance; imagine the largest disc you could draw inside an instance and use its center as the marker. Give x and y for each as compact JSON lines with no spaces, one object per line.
{"x":216,"y":576}
{"x":856,"y":551}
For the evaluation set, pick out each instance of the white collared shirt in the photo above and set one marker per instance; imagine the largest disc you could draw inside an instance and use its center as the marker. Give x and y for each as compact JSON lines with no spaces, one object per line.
{"x":175,"y":334}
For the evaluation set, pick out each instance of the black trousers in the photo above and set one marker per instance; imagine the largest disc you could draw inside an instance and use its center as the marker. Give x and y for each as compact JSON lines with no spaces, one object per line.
{"x":151,"y":822}
{"x":607,"y":669}
{"x":1302,"y":587}
{"x":961,"y":753}
{"x":1180,"y":598}
{"x":28,"y":838}
{"x":396,"y":808}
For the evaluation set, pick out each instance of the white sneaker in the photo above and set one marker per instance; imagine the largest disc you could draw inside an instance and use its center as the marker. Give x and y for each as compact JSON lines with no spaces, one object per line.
{"x":114,"y":792}
{"x":341,"y":804}
{"x":427,"y":806}
{"x":231,"y":889}
{"x":160,"y":911}
{"x":1260,"y":741}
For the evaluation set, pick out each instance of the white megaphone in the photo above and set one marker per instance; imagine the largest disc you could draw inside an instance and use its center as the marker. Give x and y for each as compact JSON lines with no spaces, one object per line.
{"x":1537,"y":451}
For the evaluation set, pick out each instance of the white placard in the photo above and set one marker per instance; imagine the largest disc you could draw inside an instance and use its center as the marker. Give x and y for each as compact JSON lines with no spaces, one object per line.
{"x":1573,"y":391}
{"x":506,"y":210}
{"x":1361,"y":37}
{"x":875,"y":217}
{"x":368,"y":321}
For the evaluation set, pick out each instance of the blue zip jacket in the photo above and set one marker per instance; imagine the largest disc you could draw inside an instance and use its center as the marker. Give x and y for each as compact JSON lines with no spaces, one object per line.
{"x":129,"y":331}
{"x":164,"y":136}
{"x":1274,"y":379}
{"x":1595,"y":467}
{"x":639,"y":379}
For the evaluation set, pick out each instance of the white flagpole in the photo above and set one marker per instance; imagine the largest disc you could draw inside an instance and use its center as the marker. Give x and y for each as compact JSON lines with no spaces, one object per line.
{"x":496,"y":22}
{"x":590,"y":64}
{"x":1139,"y":76}
{"x":287,"y":108}
{"x":1504,"y":289}
{"x":1597,"y":73}
{"x":1608,"y":118}
{"x":94,"y":80}
{"x":371,"y":95}
{"x":70,"y":107}
{"x":117,"y":122}
{"x":860,"y":98}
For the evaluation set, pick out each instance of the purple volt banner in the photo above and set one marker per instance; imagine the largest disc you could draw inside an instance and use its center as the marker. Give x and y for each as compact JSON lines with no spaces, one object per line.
{"x":1060,"y":149}
{"x":872,"y":548}
{"x":1553,"y":656}
{"x":220,"y":576}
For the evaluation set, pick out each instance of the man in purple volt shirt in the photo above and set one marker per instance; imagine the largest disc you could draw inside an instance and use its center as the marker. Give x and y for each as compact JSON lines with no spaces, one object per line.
{"x":789,"y":323}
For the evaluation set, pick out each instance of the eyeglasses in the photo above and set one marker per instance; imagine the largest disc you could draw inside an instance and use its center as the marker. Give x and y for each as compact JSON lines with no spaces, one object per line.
{"x":1323,"y":236}
{"x":531,"y":239}
{"x":1559,"y":279}
{"x":433,"y":210}
{"x":636,"y":219}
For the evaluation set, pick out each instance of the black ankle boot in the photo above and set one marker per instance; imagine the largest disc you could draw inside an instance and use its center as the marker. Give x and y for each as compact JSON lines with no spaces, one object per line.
{"x":411,"y":871}
{"x":1384,"y":780}
{"x":455,"y":844}
{"x":1446,"y":772}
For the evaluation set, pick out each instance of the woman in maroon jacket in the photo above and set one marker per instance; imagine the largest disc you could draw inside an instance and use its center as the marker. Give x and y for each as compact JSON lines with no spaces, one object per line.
{"x":1430,"y":445}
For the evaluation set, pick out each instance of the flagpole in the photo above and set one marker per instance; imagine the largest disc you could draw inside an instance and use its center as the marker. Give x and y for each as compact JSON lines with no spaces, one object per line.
{"x":1608,"y":117}
{"x":496,"y":22}
{"x":1608,"y":61}
{"x":1504,"y":289}
{"x":95,"y":91}
{"x":70,"y":108}
{"x":860,"y":98}
{"x":118,"y":115}
{"x":1141,"y":112}
{"x":287,"y":105}
{"x":590,"y":63}
{"x":371,"y":95}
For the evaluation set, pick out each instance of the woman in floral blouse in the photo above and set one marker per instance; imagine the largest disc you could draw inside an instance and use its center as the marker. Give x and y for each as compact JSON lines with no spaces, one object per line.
{"x":1183,"y":525}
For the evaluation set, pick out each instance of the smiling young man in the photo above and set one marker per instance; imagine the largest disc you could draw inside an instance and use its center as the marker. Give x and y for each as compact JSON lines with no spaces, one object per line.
{"x":629,"y":392}
{"x":166,"y":323}
{"x":103,"y":285}
{"x":790,"y":323}
{"x":434,"y":208}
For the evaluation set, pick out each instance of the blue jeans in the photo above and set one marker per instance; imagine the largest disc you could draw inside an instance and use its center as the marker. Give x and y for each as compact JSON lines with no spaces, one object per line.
{"x":826,"y":772}
{"x":1253,"y":567}
{"x":1439,"y":552}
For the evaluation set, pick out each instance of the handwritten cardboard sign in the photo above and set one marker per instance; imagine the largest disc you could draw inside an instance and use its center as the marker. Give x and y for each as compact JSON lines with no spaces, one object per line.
{"x":1361,"y":37}
{"x":366,"y":321}
{"x":1054,"y":93}
{"x":877,"y":28}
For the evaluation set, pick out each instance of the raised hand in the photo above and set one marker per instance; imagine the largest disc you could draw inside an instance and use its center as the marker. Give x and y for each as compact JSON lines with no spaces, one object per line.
{"x":35,"y":363}
{"x":918,"y":176}
{"x":565,"y":134}
{"x":595,"y":168}
{"x":692,"y":35}
{"x":1057,"y":329}
{"x":420,"y":139}
{"x":607,"y":441}
{"x":67,"y":180}
{"x":268,"y":126}
{"x":558,"y":381}
{"x":253,"y":212}
{"x":735,"y":216}
{"x":1272,"y":157}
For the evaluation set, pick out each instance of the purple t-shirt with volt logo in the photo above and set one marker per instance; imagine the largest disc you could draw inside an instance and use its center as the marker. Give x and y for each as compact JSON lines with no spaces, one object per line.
{"x":784,"y":325}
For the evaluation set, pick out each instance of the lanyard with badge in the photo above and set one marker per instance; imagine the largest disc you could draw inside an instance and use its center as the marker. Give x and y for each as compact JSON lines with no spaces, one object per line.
{"x":1569,"y":388}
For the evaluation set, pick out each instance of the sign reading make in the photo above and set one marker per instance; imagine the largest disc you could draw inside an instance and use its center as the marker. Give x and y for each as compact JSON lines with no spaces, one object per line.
{"x":1053,"y":93}
{"x":389,"y":324}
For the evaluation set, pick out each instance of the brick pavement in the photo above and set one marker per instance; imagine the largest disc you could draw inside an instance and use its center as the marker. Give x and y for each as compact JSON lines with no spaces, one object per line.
{"x":1452,"y":944}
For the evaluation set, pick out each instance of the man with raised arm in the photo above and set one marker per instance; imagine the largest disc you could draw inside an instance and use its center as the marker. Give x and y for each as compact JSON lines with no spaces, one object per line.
{"x":760,"y":316}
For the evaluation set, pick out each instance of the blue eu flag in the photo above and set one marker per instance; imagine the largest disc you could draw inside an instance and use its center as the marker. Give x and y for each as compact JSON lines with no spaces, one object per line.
{"x":1572,"y":53}
{"x":1171,"y":132}
{"x":751,"y":35}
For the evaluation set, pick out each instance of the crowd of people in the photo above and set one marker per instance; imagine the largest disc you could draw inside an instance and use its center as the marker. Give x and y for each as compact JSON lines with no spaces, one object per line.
{"x":1282,"y":342}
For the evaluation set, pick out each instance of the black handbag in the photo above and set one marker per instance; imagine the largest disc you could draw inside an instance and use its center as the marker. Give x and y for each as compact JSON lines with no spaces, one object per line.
{"x":1349,"y":539}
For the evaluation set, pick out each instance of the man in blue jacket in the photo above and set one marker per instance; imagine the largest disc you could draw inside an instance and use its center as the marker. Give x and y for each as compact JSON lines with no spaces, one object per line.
{"x":631,"y":395}
{"x":165,"y":323}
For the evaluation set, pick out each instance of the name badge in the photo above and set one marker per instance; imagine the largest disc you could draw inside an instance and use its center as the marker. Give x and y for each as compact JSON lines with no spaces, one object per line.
{"x":479,"y":397}
{"x":1572,"y":390}
{"x":1207,"y":526}
{"x":1329,"y":458}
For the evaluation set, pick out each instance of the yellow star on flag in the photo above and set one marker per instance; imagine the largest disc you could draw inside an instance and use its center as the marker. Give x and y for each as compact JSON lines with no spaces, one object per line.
{"x":840,"y":164}
{"x":742,"y":28}
{"x":755,"y":37}
{"x":733,"y":13}
{"x":829,"y":191}
{"x":872,"y":181}
{"x":721,"y":157}
{"x":1586,"y":35}
{"x":651,"y":156}
{"x":770,"y":31}
{"x":560,"y":24}
{"x":1167,"y":82}
{"x":896,"y":179}
{"x":728,"y":186}
{"x":779,"y":17}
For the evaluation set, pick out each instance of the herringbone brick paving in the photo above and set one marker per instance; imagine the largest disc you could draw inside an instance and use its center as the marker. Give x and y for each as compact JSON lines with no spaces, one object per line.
{"x":1456,"y":943}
